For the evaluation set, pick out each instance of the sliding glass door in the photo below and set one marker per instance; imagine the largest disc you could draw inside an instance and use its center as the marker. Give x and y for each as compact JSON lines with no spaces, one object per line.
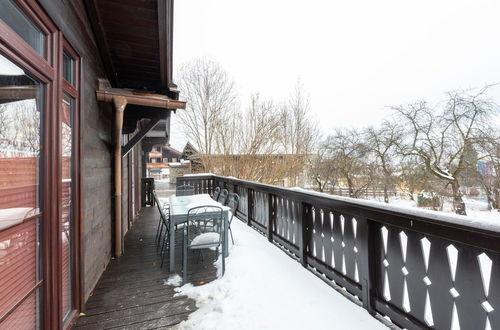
{"x":21,"y":196}
{"x":39,"y":171}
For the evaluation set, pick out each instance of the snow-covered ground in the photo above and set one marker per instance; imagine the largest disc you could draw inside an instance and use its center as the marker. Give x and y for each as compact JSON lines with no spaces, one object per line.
{"x":477,"y":209}
{"x":263,"y":288}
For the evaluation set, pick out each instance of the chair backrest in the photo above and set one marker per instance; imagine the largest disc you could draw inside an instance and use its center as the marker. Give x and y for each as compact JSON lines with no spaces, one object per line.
{"x":233,"y":201}
{"x":157,"y":201}
{"x":205,"y":219}
{"x":159,"y":206}
{"x":185,"y":190}
{"x":223,"y":196}
{"x":216,"y":194}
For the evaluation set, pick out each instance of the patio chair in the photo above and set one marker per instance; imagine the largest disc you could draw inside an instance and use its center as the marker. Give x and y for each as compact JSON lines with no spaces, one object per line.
{"x":184,"y":190}
{"x":163,"y":223}
{"x":204,"y":230}
{"x":233,"y":201}
{"x":216,"y":193}
{"x":223,"y":197}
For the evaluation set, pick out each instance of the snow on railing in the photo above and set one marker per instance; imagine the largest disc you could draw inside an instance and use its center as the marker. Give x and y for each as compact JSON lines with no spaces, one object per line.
{"x":419,"y":268}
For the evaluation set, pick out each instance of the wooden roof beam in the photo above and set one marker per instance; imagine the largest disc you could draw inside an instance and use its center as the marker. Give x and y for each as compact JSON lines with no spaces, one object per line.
{"x":165,"y":37}
{"x":106,"y":93}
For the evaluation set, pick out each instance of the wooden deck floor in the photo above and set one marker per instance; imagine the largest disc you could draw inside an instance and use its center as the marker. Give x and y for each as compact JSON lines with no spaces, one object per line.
{"x":133,"y":294}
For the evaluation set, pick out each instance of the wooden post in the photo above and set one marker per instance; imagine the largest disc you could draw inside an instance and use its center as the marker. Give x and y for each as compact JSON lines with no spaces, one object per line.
{"x":270,"y":217}
{"x":367,"y":245}
{"x":305,"y":215}
{"x":249,"y":207}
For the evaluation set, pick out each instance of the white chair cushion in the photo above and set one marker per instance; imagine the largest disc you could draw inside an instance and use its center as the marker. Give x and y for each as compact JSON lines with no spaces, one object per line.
{"x":205,"y":239}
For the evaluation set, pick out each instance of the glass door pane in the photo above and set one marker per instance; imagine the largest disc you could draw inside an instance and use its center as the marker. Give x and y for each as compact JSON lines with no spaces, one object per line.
{"x":67,"y":221}
{"x":21,"y":105}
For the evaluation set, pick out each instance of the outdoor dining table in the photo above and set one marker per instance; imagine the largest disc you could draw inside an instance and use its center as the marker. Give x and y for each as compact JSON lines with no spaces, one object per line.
{"x":179,"y":207}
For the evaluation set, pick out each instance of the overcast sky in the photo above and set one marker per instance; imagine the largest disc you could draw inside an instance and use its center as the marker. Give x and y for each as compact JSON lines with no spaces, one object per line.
{"x":354,"y":57}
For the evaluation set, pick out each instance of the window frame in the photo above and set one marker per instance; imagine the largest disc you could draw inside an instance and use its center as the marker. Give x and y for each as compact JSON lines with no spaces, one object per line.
{"x":48,"y":70}
{"x":72,"y":90}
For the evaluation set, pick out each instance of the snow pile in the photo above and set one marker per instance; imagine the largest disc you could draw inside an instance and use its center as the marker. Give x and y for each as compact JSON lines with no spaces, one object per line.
{"x":199,"y":174}
{"x":173,"y":280}
{"x":263,"y":288}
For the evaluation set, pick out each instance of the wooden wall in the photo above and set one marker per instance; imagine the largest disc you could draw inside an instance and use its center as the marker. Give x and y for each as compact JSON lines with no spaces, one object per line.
{"x":96,"y":144}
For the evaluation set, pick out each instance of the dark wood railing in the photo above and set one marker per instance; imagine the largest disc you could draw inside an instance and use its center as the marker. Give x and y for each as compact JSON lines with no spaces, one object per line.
{"x":417,"y":268}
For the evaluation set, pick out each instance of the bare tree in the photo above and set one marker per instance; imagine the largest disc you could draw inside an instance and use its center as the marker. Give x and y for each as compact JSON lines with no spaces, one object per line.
{"x":351,"y":158}
{"x":210,"y":96}
{"x":5,"y":121}
{"x":27,"y":125}
{"x":254,"y":136}
{"x":322,"y":170}
{"x":413,"y":176}
{"x":382,"y":143}
{"x":299,"y":133}
{"x":441,"y":136}
{"x":489,"y":173}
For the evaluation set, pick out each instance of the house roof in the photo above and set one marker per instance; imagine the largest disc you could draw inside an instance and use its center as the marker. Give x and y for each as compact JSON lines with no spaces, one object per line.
{"x":134,"y":38}
{"x":172,"y":150}
{"x":135,"y":43}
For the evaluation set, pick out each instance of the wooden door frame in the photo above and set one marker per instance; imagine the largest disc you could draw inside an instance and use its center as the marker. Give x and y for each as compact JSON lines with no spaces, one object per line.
{"x":73,"y":90}
{"x":48,"y":70}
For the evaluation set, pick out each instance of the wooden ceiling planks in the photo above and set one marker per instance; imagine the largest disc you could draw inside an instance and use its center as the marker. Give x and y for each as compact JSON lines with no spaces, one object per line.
{"x":135,"y":41}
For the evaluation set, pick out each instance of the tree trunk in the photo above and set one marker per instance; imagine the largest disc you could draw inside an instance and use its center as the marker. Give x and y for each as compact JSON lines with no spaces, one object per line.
{"x":494,"y":198}
{"x":386,"y":184}
{"x":490,"y":197}
{"x":351,"y":188}
{"x":320,"y":186}
{"x":458,"y":202}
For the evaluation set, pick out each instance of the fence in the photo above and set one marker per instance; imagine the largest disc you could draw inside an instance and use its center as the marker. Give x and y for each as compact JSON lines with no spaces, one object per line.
{"x":419,"y":269}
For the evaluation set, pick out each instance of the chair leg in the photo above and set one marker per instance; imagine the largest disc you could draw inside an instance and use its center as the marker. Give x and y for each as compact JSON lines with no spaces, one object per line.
{"x":158,"y":230}
{"x":165,"y":243}
{"x":223,"y":263}
{"x":159,"y":238}
{"x":184,"y":259}
{"x":231,"y":232}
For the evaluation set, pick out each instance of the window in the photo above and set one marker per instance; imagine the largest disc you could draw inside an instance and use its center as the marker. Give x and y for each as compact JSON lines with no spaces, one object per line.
{"x":21,"y":110}
{"x":69,"y":175}
{"x":12,"y":15}
{"x":68,"y":68}
{"x":32,"y":294}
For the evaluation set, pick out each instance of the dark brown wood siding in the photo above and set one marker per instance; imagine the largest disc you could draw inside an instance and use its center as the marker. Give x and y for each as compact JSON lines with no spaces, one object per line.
{"x":96,"y":144}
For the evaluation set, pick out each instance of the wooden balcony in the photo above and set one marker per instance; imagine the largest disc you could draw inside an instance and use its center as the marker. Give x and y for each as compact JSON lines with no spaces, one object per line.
{"x":133,"y":292}
{"x":419,"y":269}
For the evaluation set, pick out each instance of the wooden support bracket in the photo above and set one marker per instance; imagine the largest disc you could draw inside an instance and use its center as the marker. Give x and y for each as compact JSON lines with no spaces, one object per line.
{"x":140,"y":135}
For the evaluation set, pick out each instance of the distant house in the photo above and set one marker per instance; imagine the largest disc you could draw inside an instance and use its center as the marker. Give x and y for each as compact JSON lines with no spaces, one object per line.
{"x":164,"y":154}
{"x":190,"y":153}
{"x":160,"y":159}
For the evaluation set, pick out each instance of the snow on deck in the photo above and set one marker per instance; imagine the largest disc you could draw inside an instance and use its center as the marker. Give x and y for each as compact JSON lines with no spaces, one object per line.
{"x":263,"y":288}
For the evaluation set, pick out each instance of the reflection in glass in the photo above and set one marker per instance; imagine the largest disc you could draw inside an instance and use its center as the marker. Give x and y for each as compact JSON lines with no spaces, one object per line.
{"x":20,"y":104}
{"x":20,"y":161}
{"x":17,"y":21}
{"x":66,"y":202}
{"x":68,"y":68}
